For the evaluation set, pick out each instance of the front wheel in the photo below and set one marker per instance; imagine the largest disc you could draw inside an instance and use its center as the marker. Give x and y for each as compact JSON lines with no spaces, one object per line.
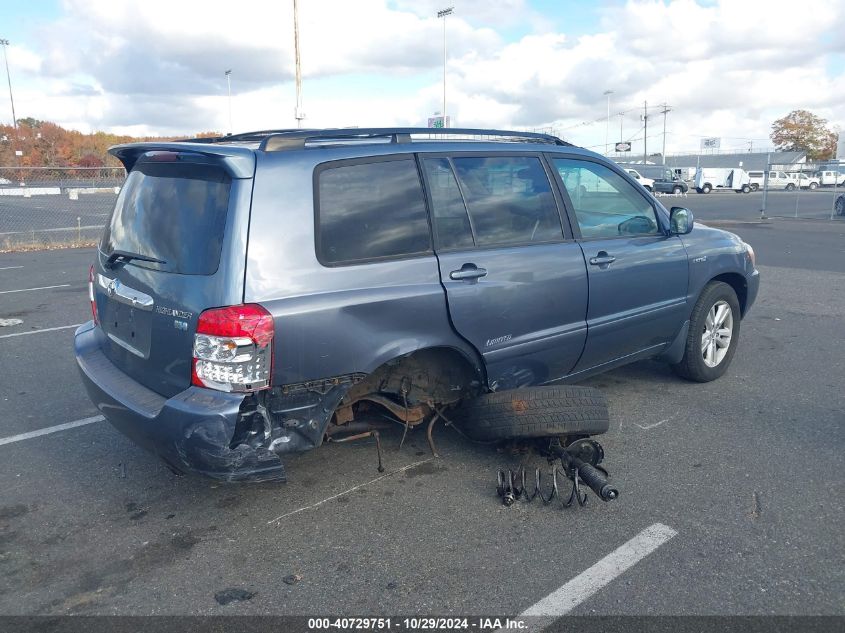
{"x":813,"y":185}
{"x":677,"y":190}
{"x":746,"y":189}
{"x":713,"y":334}
{"x":790,"y":187}
{"x":706,"y":188}
{"x":755,"y":187}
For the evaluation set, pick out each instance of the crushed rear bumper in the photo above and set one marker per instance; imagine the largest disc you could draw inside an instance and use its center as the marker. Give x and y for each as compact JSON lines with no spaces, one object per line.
{"x":192,"y":431}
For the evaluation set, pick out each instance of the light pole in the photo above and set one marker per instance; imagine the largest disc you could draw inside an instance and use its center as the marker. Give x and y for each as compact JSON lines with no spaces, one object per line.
{"x":442,"y":14}
{"x":4,"y":43}
{"x":229,"y":90}
{"x":298,"y":115}
{"x":607,"y":94}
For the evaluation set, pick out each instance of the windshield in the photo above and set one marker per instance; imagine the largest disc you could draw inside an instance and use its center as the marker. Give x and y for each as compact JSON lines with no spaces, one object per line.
{"x":175,"y":212}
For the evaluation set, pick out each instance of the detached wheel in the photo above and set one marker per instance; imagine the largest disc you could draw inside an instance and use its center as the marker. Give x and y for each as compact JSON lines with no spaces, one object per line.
{"x":534,"y":412}
{"x":713,"y":334}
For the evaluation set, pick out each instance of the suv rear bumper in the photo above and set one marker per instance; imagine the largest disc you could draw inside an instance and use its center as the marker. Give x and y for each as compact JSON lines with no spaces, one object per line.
{"x":191,"y":431}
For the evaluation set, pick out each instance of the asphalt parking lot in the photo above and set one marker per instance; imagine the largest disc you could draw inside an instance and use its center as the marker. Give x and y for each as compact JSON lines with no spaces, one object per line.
{"x":744,"y":473}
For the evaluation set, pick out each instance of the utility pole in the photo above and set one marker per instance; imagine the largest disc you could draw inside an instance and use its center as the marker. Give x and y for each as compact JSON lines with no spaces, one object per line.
{"x":229,"y":90}
{"x":645,"y":133}
{"x":297,"y":113}
{"x":4,"y":43}
{"x":665,"y":110}
{"x":621,"y":118}
{"x":607,"y":94}
{"x":442,"y":14}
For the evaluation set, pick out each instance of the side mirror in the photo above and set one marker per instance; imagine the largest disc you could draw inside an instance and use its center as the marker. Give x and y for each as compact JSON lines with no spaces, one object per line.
{"x":680,"y":221}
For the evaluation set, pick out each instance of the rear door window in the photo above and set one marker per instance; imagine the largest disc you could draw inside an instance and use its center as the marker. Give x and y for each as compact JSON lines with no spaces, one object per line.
{"x":175,"y":212}
{"x":509,"y":200}
{"x":370,"y":211}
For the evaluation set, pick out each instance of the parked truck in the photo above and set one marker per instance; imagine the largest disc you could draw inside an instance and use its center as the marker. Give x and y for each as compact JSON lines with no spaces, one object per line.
{"x":708,"y":179}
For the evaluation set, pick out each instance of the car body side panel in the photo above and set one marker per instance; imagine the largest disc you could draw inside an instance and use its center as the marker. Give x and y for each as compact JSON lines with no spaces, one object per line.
{"x":526,"y":315}
{"x":713,"y":252}
{"x":639,"y":301}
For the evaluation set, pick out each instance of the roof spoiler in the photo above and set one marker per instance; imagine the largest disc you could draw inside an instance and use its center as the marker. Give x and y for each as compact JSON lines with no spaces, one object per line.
{"x":239,"y":161}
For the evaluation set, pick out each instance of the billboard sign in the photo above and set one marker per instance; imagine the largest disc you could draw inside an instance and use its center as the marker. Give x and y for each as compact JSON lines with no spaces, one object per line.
{"x":437,"y":121}
{"x":711,"y":143}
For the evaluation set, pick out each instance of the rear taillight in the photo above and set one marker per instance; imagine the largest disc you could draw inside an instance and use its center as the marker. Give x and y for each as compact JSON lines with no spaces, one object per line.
{"x":233,"y":349}
{"x":91,"y":296}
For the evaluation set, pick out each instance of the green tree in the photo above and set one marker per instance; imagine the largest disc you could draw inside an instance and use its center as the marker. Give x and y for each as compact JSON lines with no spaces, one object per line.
{"x":803,"y":131}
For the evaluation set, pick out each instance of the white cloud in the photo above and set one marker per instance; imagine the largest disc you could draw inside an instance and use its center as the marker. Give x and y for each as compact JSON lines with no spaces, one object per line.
{"x":727,"y":68}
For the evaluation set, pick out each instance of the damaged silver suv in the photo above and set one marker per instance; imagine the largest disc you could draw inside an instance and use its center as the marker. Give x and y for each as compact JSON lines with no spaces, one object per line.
{"x":254,"y":294}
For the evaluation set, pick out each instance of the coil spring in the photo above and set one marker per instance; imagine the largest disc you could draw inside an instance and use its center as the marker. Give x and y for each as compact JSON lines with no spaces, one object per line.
{"x":511,"y":486}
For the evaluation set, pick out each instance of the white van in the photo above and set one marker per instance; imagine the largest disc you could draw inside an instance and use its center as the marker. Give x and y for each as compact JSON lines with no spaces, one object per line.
{"x":805,"y":181}
{"x":708,"y":179}
{"x":756,"y":179}
{"x":831,"y":177}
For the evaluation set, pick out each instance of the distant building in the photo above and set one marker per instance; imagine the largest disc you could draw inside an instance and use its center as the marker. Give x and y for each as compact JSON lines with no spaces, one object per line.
{"x":749,"y":161}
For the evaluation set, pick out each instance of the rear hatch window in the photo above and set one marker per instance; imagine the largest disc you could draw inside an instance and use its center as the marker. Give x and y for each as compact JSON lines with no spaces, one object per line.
{"x":174,"y":212}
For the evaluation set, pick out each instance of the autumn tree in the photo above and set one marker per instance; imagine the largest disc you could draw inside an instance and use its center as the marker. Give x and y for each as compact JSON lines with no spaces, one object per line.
{"x":803,"y":131}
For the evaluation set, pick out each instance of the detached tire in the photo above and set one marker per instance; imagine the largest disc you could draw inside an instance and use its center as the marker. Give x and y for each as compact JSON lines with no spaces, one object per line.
{"x":713,"y":334}
{"x":534,"y":412}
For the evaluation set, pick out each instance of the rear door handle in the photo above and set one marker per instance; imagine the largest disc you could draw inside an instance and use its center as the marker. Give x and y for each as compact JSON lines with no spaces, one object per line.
{"x":468,"y":271}
{"x":602,"y":259}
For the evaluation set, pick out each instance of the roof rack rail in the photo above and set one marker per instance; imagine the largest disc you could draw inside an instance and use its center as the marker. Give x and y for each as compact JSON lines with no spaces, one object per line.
{"x":281,"y":140}
{"x":256,"y":136}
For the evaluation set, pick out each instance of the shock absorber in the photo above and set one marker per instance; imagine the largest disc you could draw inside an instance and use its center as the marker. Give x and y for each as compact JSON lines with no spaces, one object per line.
{"x":579,"y":462}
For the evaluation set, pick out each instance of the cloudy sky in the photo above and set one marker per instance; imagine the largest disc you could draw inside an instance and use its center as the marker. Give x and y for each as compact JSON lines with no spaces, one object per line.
{"x":725,"y":68}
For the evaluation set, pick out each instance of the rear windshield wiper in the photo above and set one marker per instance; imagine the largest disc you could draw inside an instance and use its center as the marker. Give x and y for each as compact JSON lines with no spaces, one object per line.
{"x":126,"y":256}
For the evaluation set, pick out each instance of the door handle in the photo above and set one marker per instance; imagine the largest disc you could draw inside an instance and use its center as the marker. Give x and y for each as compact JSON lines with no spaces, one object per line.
{"x":602,"y":259}
{"x":468,"y":271}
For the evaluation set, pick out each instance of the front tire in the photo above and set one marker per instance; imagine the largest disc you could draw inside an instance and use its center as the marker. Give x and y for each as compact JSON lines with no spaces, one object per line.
{"x":713,"y":334}
{"x":746,"y":189}
{"x":790,"y":187}
{"x":677,"y":190}
{"x":813,"y":186}
{"x":706,"y":188}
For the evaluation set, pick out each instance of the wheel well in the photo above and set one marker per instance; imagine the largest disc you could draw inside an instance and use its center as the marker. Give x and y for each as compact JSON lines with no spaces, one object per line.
{"x":412,"y":385}
{"x":740,"y":286}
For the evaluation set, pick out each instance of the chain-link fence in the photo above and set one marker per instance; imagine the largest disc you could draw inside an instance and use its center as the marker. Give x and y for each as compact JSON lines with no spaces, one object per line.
{"x":801,"y":191}
{"x":44,"y":207}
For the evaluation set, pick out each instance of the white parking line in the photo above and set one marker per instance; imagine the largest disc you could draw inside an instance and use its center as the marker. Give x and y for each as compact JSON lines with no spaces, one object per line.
{"x":352,"y":489}
{"x":46,"y":329}
{"x":10,"y":267}
{"x":5,"y":292}
{"x":50,"y":429}
{"x":588,"y":582}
